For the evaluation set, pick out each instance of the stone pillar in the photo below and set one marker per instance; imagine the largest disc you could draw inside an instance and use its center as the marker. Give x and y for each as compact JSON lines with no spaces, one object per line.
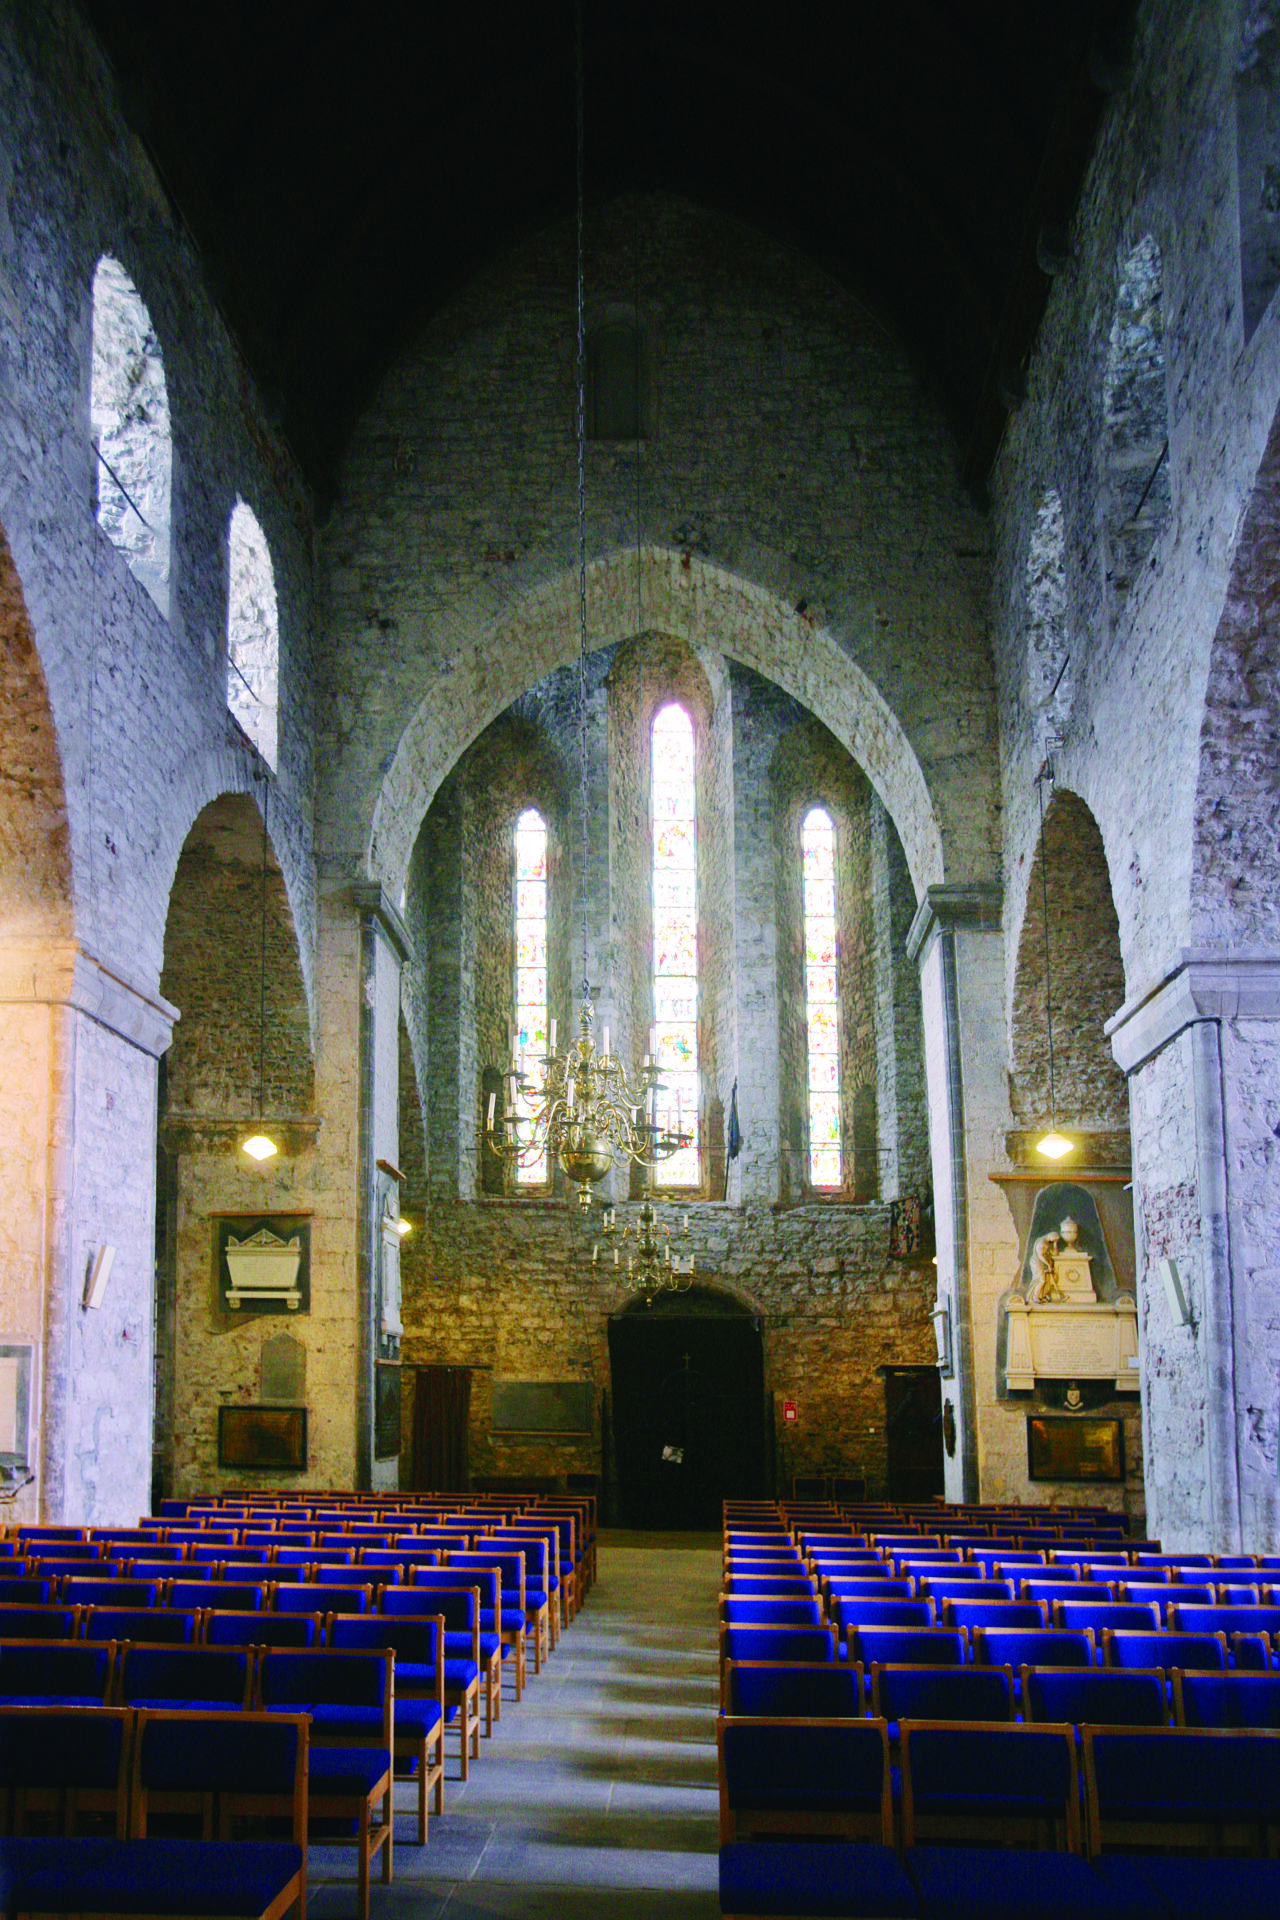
{"x":384,"y":949}
{"x":957,"y":943}
{"x":1202,"y":1052}
{"x":78,"y":1051}
{"x":753,"y":1176}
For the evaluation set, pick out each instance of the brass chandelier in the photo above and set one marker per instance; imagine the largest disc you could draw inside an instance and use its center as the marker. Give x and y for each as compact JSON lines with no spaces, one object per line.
{"x":582,"y":1111}
{"x":652,"y":1267}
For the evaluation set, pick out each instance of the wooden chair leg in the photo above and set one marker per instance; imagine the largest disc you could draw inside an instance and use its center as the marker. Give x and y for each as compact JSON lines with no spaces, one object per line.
{"x":389,"y":1821}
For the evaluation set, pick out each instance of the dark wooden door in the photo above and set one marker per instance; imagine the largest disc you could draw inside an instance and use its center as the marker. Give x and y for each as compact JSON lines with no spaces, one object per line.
{"x":688,"y":1409}
{"x":913,"y":1430}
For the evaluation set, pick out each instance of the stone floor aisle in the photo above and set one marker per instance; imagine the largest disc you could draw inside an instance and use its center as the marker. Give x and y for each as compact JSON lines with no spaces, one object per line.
{"x":597,"y":1795}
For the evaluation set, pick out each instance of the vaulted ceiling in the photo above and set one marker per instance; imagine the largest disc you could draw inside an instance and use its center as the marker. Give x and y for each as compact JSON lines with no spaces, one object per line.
{"x":344,"y":173}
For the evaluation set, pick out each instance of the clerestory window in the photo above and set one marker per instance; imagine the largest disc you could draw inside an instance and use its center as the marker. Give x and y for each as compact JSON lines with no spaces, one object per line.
{"x":675,"y":940}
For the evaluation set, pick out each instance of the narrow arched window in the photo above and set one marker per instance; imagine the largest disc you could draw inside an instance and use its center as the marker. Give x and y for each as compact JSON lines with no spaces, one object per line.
{"x":253,"y":634}
{"x":818,"y":853}
{"x":129,"y":416}
{"x":675,"y":940}
{"x":531,"y":975}
{"x":617,"y":376}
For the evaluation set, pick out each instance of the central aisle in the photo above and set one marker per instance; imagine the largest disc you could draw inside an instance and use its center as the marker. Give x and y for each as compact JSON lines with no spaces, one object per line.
{"x":597,"y":1795}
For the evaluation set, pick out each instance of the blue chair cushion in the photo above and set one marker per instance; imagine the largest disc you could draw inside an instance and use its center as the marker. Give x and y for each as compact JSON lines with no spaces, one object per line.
{"x":1182,"y":1888}
{"x":414,"y":1718}
{"x":343,"y":1722}
{"x":812,"y":1878}
{"x":166,"y":1877}
{"x":341,"y":1772}
{"x":1006,"y":1883}
{"x":459,"y":1674}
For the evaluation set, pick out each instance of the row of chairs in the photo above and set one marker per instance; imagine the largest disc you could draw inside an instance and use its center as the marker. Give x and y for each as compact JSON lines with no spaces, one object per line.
{"x":809,"y":1821}
{"x":896,"y":1691}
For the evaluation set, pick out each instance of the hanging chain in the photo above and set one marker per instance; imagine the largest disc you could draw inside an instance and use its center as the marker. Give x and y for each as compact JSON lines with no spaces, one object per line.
{"x":262,"y":971}
{"x":1046,"y":773}
{"x":582,"y":523}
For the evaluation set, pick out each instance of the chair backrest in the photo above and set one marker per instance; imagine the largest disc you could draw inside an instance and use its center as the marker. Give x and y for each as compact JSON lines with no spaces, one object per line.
{"x":1226,"y":1699}
{"x":181,"y":1676}
{"x":768,"y":1586}
{"x":308,"y":1597}
{"x":1203,"y":1652}
{"x":794,"y":1690}
{"x":1021,"y":1773}
{"x":33,"y":1670}
{"x":976,"y":1589}
{"x":23,"y":1592}
{"x":229,"y":1595}
{"x":288,"y":1680}
{"x":941,"y":1693}
{"x":850,"y":1612}
{"x":261,"y":1629}
{"x":910,"y":1646}
{"x":71,"y":1759}
{"x":750,"y":1611}
{"x":249,"y":1762}
{"x":1103,"y":1696}
{"x":1179,"y":1784}
{"x":1107,"y":1615}
{"x":174,"y":1627}
{"x":459,"y":1607}
{"x":1216,"y":1619}
{"x":778,"y":1774}
{"x":777,"y":1644}
{"x":1052,"y":1589}
{"x":487,"y":1581}
{"x":993,"y":1613}
{"x":38,"y":1623}
{"x":111,"y":1593}
{"x":510,"y":1564}
{"x":1018,"y":1647}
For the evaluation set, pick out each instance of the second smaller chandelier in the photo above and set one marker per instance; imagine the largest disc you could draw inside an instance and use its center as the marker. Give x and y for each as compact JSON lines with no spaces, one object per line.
{"x":651,"y":1267}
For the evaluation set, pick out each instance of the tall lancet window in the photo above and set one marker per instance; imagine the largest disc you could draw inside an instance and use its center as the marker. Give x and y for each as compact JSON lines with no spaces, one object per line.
{"x":531,"y":974}
{"x":818,"y":847}
{"x":675,"y":940}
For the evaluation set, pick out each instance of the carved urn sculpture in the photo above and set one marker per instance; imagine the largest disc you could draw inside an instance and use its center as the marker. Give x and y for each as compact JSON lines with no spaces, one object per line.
{"x":1058,"y":1327}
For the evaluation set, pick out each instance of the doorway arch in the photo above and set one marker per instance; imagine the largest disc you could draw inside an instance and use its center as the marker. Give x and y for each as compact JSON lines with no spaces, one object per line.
{"x":689,"y":1426}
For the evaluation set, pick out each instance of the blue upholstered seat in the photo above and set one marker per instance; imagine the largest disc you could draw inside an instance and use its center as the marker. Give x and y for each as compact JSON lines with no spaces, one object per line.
{"x":1190,"y":1889}
{"x":164,"y":1876}
{"x":24,"y":1592}
{"x":37,"y":1623}
{"x":1010,"y":1883}
{"x":777,"y":1766}
{"x":850,"y":1612}
{"x":945,"y":1588}
{"x":307,"y":1597}
{"x":777,"y":1643}
{"x":806,"y":1877}
{"x":1189,"y":1618}
{"x":992,"y":1613}
{"x":111,"y":1593}
{"x":1103,"y":1616}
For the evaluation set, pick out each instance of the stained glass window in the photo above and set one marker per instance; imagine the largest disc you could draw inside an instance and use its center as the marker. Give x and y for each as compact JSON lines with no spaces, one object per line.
{"x":818,"y":849}
{"x":531,"y":975}
{"x":675,"y":940}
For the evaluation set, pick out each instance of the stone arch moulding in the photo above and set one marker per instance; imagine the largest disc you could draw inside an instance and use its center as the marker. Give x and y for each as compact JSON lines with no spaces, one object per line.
{"x":204,"y":779}
{"x":693,"y":601}
{"x":36,"y":893}
{"x":1235,"y":852}
{"x":732,"y":1299}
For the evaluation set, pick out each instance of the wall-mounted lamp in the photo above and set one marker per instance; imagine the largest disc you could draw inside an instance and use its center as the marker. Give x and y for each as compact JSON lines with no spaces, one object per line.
{"x":95,"y":1285}
{"x":403,"y":1226}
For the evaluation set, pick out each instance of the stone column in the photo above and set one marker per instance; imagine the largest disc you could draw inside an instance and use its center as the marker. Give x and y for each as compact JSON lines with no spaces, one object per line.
{"x":957,"y":943}
{"x":78,"y":1049}
{"x":1202,"y":1052}
{"x":384,"y":949}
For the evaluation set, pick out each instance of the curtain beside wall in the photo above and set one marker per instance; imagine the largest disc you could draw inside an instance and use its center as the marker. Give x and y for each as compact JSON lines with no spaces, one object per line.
{"x":441,"y":1424}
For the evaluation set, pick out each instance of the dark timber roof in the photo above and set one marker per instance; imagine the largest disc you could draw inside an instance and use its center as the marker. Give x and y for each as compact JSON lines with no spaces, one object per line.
{"x":345,"y":171}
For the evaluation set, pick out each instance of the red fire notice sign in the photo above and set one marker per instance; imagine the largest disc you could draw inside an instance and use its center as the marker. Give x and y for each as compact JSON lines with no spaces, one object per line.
{"x":790,"y":1412}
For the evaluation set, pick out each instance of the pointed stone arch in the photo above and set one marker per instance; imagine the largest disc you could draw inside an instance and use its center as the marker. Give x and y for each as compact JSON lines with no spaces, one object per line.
{"x":687,"y":599}
{"x":1087,"y":977}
